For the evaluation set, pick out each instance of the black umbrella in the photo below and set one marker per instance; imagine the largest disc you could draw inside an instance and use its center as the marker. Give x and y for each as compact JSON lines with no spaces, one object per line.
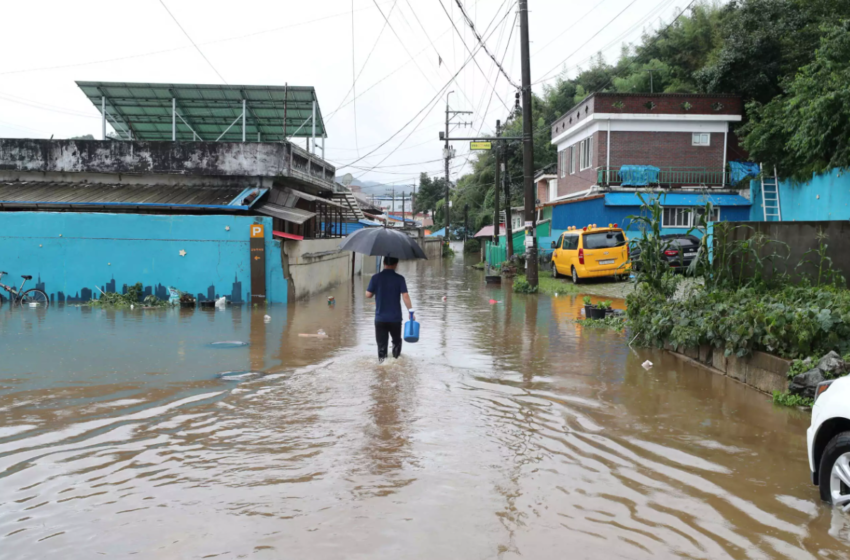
{"x":383,"y":242}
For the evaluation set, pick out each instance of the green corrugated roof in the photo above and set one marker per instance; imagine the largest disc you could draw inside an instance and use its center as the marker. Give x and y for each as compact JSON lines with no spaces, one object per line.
{"x":145,"y":109}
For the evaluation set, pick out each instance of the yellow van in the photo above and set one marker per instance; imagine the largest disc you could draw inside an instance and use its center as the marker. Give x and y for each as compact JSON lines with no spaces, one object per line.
{"x":591,"y":252}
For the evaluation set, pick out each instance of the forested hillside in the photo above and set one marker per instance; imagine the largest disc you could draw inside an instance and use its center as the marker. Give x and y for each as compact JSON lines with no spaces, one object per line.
{"x":788,"y":59}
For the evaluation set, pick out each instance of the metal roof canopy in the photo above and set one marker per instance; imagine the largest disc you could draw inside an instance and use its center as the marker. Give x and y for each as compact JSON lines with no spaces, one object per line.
{"x":201,"y":112}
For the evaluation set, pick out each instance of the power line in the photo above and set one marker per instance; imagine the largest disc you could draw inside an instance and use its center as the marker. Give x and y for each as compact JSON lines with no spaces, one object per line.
{"x":481,"y":41}
{"x":470,"y":50}
{"x":430,"y":103}
{"x":354,"y":77}
{"x":192,"y":41}
{"x":576,"y":22}
{"x":600,"y":30}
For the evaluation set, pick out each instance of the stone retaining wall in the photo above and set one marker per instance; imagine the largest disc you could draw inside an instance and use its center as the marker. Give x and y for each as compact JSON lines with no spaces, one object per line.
{"x":762,"y":371}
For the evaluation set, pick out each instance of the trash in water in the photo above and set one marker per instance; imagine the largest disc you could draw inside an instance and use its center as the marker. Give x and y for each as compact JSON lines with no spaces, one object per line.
{"x":33,"y":304}
{"x":445,"y":298}
{"x":492,"y":301}
{"x":320,"y":334}
{"x":647,"y":365}
{"x":331,"y":300}
{"x":267,"y":318}
{"x":238,"y":375}
{"x":221,"y":302}
{"x":173,"y":296}
{"x":132,"y":306}
{"x":229,"y":344}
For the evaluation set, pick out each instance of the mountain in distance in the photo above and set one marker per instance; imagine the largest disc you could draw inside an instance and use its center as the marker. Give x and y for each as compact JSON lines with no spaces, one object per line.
{"x":376,"y":188}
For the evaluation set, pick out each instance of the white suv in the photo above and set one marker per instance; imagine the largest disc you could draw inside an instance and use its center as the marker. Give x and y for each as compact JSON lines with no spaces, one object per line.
{"x":829,"y":441}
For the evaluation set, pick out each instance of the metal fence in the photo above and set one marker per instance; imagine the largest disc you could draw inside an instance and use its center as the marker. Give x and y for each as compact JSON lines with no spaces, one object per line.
{"x":667,"y":176}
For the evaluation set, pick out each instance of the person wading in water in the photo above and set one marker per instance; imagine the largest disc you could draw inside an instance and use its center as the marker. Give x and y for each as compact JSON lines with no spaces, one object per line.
{"x":387,"y":287}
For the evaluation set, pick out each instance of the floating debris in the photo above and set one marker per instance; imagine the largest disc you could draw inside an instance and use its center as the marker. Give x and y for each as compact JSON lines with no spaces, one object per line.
{"x":238,"y":375}
{"x":267,"y":318}
{"x":229,"y":344}
{"x":647,"y":365}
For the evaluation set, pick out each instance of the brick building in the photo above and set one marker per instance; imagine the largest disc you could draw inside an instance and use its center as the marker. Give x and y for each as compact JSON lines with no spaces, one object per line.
{"x":686,"y":136}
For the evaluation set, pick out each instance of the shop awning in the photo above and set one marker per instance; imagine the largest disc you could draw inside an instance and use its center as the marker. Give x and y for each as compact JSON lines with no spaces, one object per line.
{"x":294,"y":215}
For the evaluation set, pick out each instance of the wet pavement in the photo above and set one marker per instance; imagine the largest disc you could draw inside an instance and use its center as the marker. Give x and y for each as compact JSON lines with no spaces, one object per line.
{"x":508,"y":431}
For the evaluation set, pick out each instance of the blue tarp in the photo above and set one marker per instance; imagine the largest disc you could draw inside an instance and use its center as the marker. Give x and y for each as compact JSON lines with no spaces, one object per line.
{"x":440,"y":232}
{"x":743,"y":169}
{"x":676,"y":199}
{"x":370,"y":223}
{"x":638,"y":175}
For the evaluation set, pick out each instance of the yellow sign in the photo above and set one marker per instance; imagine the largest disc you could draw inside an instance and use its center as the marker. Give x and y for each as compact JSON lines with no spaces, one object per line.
{"x":256,"y":230}
{"x":480,"y":145}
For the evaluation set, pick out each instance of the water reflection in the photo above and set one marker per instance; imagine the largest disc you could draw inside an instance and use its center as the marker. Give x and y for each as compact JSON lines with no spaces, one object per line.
{"x":507,"y":431}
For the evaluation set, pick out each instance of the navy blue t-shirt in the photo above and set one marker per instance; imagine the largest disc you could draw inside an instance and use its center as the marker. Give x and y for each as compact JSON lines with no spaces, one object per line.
{"x":387,"y":287}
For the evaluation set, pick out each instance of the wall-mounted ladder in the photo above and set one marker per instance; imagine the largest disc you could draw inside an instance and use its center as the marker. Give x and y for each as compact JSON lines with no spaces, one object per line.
{"x":770,"y":197}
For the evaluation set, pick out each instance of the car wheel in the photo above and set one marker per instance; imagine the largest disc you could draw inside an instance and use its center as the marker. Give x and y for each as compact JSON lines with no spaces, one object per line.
{"x":576,"y":279}
{"x":555,"y":270}
{"x":835,"y":471}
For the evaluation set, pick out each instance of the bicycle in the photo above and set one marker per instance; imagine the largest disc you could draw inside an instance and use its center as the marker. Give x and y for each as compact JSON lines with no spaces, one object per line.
{"x":30,"y":298}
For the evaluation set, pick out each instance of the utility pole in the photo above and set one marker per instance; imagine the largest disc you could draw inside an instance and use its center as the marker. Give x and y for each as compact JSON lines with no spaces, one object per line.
{"x":402,"y":210}
{"x":496,"y":193}
{"x":392,"y":203}
{"x":413,"y":201}
{"x":508,"y":217}
{"x":448,"y":153}
{"x":465,"y":222}
{"x":527,"y":151}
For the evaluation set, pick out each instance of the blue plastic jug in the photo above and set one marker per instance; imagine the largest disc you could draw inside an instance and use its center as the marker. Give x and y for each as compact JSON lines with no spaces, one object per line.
{"x":411,"y":330}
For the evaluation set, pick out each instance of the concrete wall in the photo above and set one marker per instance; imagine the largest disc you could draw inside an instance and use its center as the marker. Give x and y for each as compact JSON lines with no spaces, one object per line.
{"x":799,"y":237}
{"x":230,"y":159}
{"x":433,"y":247}
{"x":764,"y":372}
{"x":314,"y":265}
{"x":68,"y":254}
{"x":825,"y":197}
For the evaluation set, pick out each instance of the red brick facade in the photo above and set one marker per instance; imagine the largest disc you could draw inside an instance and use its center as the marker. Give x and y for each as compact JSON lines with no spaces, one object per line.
{"x":657,"y":147}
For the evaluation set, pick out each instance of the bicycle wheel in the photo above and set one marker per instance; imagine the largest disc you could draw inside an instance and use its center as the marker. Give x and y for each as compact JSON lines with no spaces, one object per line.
{"x":34,"y":298}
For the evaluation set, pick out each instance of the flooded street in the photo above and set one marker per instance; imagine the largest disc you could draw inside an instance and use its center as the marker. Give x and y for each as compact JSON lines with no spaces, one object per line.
{"x":508,"y":431}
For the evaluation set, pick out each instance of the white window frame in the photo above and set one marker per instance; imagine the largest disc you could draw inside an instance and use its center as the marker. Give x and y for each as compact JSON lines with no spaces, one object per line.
{"x":553,"y":189}
{"x":701,"y":139}
{"x":562,"y":163}
{"x":572,"y":160}
{"x":586,"y":153}
{"x":685,"y":217}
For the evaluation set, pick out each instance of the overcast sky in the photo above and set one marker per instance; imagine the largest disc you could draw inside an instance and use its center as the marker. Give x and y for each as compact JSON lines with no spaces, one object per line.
{"x":48,"y":45}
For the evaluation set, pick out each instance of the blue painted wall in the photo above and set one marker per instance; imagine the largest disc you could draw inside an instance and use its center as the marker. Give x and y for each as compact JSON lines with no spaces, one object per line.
{"x":70,"y":253}
{"x":825,"y":197}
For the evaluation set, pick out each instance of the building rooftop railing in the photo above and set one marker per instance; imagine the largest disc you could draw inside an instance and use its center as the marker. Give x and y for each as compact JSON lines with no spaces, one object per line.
{"x":638,"y":176}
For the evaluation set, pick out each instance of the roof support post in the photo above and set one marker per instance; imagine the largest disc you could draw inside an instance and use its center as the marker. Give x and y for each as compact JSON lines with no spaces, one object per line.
{"x":725,"y":142}
{"x":323,"y":147}
{"x":314,"y":126}
{"x":174,"y":120}
{"x":103,"y":117}
{"x":244,"y":112}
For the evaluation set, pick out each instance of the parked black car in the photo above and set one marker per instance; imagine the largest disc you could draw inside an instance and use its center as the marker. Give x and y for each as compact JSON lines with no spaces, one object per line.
{"x":678,"y":249}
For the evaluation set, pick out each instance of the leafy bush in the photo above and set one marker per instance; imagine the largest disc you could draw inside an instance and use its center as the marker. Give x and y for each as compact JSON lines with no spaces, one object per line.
{"x":472,"y":246}
{"x":448,"y":251}
{"x":521,"y":286}
{"x":614,"y":323}
{"x":114,"y":299}
{"x":787,"y":399}
{"x":792,"y":322}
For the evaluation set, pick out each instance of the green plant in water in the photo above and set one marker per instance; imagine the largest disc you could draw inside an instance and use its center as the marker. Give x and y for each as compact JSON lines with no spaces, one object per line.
{"x":612,"y":323}
{"x":787,"y":399}
{"x":448,"y":251}
{"x":521,"y":286}
{"x":114,"y":299}
{"x":604,"y":305}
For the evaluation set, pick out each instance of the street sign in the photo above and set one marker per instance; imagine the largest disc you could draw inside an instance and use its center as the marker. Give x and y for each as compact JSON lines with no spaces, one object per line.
{"x":480,"y":145}
{"x":258,"y":264}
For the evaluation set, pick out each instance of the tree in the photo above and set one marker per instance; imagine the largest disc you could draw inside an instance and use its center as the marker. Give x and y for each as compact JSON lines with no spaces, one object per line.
{"x":429,"y":192}
{"x":806,"y":130}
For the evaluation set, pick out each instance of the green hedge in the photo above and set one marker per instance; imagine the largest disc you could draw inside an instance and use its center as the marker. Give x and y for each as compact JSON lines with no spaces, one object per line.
{"x":792,"y":322}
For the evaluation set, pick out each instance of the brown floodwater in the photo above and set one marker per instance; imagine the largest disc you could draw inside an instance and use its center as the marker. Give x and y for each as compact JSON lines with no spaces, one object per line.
{"x":508,"y":431}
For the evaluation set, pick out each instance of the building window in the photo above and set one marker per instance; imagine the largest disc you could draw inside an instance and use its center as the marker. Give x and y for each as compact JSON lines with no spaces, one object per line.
{"x":676,"y":217}
{"x":572,"y":160}
{"x":701,"y":139}
{"x":586,"y":153}
{"x":562,"y":163}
